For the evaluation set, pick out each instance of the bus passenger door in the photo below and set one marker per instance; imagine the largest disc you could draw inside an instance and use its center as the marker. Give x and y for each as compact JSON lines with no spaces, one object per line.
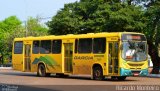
{"x":113,"y":64}
{"x":68,"y":57}
{"x":27,"y":57}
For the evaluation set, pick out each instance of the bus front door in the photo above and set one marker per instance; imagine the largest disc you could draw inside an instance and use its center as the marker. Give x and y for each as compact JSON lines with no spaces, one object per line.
{"x":113,"y":58}
{"x":68,"y":55}
{"x":27,"y":58}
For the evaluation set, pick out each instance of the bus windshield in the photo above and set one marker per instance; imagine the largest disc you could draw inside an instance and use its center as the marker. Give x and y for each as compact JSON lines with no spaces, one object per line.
{"x":134,"y":51}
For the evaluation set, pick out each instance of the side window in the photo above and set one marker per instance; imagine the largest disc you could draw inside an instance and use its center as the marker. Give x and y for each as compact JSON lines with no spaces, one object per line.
{"x":35,"y":49}
{"x":45,"y":47}
{"x":85,"y":45}
{"x":99,"y":45}
{"x":76,"y":45}
{"x":56,"y":46}
{"x":18,"y":47}
{"x":116,"y":48}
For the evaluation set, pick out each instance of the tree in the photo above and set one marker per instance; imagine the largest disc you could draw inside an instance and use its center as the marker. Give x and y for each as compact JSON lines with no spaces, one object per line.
{"x":7,"y":26}
{"x":96,"y":16}
{"x":35,"y":28}
{"x":152,"y":32}
{"x":10,"y":24}
{"x":12,"y":27}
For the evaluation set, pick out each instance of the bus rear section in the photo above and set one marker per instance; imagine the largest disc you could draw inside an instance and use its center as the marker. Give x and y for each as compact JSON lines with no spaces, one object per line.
{"x":17,"y":55}
{"x":21,"y":55}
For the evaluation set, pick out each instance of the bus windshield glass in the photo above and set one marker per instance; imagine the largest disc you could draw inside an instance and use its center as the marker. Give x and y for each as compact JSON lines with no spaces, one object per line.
{"x":134,"y":51}
{"x":134,"y":47}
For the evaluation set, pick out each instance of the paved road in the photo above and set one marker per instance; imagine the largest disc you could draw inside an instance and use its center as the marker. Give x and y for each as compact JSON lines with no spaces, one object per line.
{"x":25,"y":81}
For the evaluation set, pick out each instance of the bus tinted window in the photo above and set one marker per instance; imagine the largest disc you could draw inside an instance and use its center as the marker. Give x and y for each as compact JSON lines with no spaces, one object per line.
{"x":56,"y":46}
{"x":85,"y":45}
{"x":18,"y":47}
{"x":35,"y":47}
{"x":45,"y":47}
{"x":76,"y":45}
{"x":99,"y":45}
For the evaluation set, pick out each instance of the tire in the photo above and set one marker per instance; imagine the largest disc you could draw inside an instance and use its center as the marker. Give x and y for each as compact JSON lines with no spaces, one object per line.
{"x":42,"y":71}
{"x":98,"y":73}
{"x":113,"y":78}
{"x":48,"y":74}
{"x":121,"y":78}
{"x":61,"y":75}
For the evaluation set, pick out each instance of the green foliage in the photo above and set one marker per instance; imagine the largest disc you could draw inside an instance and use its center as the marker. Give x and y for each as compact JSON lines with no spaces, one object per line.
{"x":8,"y":26}
{"x":152,"y":30}
{"x":96,"y":16}
{"x":35,"y":28}
{"x":12,"y":27}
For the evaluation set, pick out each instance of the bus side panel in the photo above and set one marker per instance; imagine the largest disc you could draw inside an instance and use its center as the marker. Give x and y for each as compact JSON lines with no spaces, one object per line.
{"x":53,"y":62}
{"x":17,"y":61}
{"x":100,"y":59}
{"x":104,"y":63}
{"x":82,"y":63}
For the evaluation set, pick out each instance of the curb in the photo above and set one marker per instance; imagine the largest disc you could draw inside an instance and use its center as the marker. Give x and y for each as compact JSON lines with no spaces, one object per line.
{"x":6,"y":68}
{"x":154,"y":75}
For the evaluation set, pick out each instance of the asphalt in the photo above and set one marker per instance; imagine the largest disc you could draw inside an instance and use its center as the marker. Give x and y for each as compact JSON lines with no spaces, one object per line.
{"x":11,"y":80}
{"x":149,"y":75}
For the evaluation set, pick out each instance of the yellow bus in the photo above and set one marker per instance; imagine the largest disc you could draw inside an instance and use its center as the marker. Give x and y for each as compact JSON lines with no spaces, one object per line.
{"x":116,"y":55}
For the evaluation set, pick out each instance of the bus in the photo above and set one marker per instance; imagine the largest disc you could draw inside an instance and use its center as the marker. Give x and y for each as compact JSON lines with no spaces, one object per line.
{"x":107,"y":54}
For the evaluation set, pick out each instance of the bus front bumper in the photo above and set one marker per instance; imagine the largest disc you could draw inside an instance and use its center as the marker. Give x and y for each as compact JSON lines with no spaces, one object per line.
{"x":128,"y":72}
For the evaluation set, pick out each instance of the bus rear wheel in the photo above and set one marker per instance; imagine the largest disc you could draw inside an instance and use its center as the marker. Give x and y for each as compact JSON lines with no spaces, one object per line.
{"x":98,"y":73}
{"x":42,"y":71}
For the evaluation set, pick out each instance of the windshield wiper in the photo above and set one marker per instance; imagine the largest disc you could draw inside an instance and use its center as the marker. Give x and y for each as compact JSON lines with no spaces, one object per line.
{"x":131,"y":45}
{"x":141,"y":46}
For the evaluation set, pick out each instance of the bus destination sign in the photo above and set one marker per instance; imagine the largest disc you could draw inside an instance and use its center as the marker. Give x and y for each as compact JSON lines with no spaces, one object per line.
{"x":133,"y":37}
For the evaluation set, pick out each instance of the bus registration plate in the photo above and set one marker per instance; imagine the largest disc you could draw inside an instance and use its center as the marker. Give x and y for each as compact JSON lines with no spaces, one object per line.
{"x":136,"y":74}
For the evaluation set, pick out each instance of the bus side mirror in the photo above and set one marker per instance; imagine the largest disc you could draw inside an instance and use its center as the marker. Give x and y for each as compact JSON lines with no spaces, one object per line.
{"x":121,"y":47}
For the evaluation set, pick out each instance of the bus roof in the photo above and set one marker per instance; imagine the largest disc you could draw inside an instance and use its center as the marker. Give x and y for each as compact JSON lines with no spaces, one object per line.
{"x":73,"y":36}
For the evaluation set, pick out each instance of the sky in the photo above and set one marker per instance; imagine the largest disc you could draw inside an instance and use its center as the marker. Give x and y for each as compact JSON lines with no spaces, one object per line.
{"x":31,"y":8}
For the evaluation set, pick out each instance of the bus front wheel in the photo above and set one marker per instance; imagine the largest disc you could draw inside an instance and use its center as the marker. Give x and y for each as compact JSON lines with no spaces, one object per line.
{"x":98,"y":73}
{"x":42,"y":71}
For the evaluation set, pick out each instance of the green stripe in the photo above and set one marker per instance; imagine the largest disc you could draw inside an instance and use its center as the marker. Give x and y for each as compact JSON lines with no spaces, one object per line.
{"x":46,"y":59}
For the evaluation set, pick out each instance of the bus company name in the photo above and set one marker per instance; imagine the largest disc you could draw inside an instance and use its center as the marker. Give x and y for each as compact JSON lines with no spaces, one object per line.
{"x":83,"y":58}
